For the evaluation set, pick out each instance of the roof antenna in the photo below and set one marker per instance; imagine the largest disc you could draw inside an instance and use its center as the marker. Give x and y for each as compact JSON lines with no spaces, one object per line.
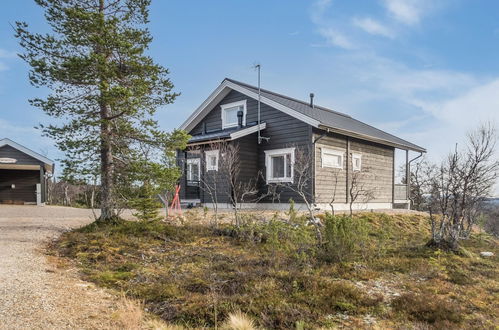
{"x":260,"y":137}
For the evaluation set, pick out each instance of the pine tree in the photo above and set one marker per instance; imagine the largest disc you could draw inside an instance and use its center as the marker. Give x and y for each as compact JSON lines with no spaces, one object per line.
{"x":105,"y":89}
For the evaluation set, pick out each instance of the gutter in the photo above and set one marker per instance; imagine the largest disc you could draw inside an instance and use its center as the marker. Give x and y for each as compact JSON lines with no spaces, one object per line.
{"x":370,"y":138}
{"x":409,"y":178}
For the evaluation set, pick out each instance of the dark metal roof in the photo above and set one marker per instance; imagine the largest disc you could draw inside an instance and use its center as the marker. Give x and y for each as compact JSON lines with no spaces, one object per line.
{"x":332,"y":119}
{"x":211,"y":136}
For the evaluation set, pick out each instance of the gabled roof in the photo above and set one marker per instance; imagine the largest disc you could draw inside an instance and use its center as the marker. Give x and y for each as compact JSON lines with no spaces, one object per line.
{"x":316,"y":116}
{"x":29,"y":152}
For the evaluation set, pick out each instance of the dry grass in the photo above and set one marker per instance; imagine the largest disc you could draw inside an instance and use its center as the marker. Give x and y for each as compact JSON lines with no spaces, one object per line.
{"x":238,"y":321}
{"x":192,"y":275}
{"x":130,"y":313}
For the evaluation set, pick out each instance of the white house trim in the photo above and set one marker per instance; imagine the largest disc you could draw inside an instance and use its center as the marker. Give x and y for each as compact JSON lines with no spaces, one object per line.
{"x":274,"y":104}
{"x":332,"y":152}
{"x":221,"y":91}
{"x":340,"y":207}
{"x":215,"y":97}
{"x":232,"y":105}
{"x":193,"y":161}
{"x":247,"y":131}
{"x":359,"y":157}
{"x":4,"y":142}
{"x":279,"y":152}
{"x":208,"y":154}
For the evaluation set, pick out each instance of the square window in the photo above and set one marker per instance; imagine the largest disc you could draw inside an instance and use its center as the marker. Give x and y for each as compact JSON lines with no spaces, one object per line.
{"x":279,"y":163}
{"x":229,"y":114}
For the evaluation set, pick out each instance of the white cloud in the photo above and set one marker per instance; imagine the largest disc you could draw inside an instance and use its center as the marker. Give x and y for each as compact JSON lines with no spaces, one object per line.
{"x":7,"y":54}
{"x":335,"y":38}
{"x":408,"y":12}
{"x":326,"y":28}
{"x":374,"y":27}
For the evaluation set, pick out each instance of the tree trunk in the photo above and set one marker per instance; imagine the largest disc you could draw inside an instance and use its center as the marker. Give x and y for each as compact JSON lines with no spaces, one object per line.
{"x":107,"y":168}
{"x":106,"y":153}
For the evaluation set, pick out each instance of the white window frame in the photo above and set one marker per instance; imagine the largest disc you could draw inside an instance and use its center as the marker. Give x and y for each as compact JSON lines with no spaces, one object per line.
{"x":268,"y":166}
{"x":189,"y":173}
{"x":359,"y":157}
{"x":232,"y":105}
{"x":208,"y":154}
{"x":327,"y":151}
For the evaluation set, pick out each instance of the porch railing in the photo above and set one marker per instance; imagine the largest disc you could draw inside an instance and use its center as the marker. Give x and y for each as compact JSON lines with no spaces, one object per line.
{"x":400,"y":192}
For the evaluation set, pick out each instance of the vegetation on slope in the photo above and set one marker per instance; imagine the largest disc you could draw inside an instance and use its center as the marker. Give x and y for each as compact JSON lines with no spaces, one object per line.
{"x":373,"y":269}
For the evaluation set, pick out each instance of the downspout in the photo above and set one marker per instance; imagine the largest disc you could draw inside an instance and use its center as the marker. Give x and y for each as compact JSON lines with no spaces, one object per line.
{"x":348,"y":171}
{"x":314,"y":160}
{"x":409,"y":178}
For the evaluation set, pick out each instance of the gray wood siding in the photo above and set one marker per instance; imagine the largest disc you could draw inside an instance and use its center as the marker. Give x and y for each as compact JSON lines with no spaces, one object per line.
{"x":22,"y":158}
{"x":377,"y":169}
{"x":330,"y":182}
{"x":284,"y":131}
{"x":377,"y":161}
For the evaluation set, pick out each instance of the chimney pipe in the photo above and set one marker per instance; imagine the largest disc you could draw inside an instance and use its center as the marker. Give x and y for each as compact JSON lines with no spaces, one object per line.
{"x":240,"y":115}
{"x":311,"y":100}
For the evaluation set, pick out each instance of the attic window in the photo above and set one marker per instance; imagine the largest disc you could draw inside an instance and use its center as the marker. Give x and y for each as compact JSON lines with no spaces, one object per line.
{"x":229,"y":113}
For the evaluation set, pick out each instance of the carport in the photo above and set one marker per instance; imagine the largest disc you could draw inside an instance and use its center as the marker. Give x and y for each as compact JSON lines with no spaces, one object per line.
{"x":23,"y":174}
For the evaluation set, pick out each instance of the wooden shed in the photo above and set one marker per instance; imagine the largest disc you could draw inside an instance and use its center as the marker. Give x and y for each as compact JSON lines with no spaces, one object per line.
{"x":23,"y":174}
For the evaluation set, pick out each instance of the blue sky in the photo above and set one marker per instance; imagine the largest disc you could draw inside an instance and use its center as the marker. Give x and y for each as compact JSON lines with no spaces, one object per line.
{"x":424,"y":70}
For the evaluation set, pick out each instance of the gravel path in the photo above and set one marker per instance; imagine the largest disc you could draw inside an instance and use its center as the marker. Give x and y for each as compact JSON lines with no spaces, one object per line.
{"x":34,"y":293}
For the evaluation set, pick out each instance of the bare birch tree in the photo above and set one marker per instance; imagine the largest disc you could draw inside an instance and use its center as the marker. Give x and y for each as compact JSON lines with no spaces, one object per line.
{"x":302,"y":184}
{"x":359,"y":190}
{"x":458,"y":186}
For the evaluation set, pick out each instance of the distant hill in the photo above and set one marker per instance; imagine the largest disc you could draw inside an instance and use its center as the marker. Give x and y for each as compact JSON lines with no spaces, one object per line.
{"x":492,"y":200}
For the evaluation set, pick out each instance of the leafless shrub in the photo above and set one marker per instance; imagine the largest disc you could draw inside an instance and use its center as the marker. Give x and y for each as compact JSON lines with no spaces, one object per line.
{"x":454,"y":190}
{"x":359,"y":190}
{"x":336,"y":173}
{"x":302,"y":184}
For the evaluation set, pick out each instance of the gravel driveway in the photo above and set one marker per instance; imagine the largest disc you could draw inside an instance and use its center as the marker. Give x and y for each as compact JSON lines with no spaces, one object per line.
{"x":34,"y":293}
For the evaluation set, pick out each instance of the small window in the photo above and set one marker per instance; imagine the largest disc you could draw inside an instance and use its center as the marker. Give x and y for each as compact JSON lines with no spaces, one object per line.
{"x":229,"y":114}
{"x":356,"y":162}
{"x":211,"y":160}
{"x":193,"y":169}
{"x":279,"y":164}
{"x":332,"y":158}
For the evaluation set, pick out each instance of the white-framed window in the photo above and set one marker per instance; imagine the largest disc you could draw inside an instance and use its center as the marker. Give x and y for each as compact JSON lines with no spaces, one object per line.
{"x":279,"y":165}
{"x":211,"y":160}
{"x":193,"y":169}
{"x":356,"y":162}
{"x":332,"y":158}
{"x":229,"y":113}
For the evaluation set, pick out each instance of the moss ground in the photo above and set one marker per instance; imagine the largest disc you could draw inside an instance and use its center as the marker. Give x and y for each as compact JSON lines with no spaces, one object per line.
{"x":192,"y":274}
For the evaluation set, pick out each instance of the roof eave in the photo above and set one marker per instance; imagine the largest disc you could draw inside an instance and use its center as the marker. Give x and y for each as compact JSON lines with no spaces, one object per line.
{"x":372,"y":139}
{"x":29,"y":152}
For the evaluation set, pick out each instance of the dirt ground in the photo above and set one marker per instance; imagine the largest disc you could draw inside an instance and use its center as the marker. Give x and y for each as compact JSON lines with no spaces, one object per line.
{"x":34,"y":292}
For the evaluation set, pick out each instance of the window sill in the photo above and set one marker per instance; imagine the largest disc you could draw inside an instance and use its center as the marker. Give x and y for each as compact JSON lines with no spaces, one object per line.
{"x":282,"y":180}
{"x":335,"y":167}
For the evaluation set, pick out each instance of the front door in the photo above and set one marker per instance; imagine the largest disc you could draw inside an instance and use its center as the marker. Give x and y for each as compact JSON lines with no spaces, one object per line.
{"x":193,"y":176}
